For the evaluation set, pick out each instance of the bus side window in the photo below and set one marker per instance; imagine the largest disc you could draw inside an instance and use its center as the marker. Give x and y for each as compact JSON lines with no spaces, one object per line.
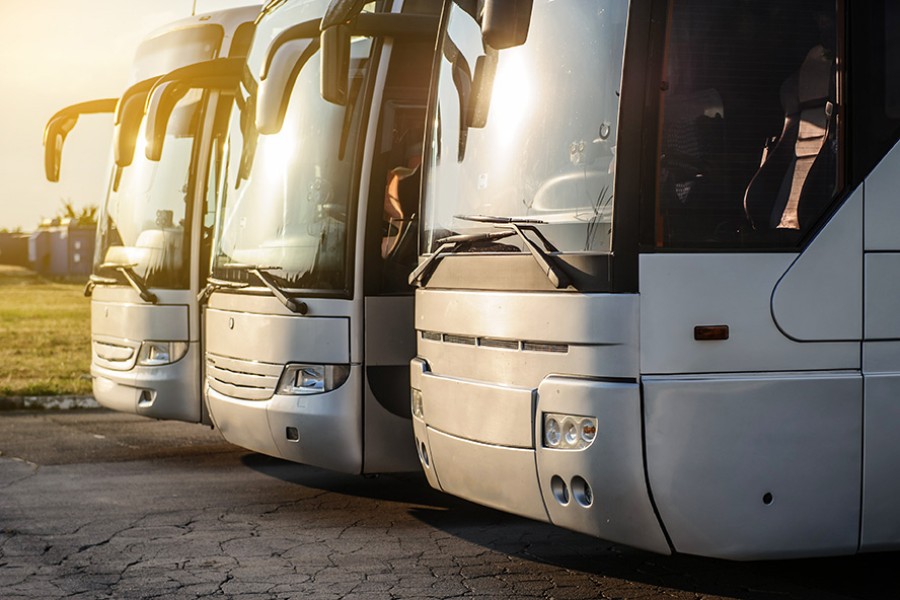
{"x":748,"y":142}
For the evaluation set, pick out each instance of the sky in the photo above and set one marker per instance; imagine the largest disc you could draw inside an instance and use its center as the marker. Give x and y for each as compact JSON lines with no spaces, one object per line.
{"x":55,"y":53}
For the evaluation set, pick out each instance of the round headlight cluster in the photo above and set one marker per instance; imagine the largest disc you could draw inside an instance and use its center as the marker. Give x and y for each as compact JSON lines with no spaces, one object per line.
{"x":569,"y":432}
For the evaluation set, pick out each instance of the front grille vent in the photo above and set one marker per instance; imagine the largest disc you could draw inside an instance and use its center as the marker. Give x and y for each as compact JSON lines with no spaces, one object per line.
{"x":495,"y":343}
{"x":244,"y":379}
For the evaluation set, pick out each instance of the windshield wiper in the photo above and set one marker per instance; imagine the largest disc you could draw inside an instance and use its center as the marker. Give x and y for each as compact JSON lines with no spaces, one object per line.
{"x":213,"y":284}
{"x":292,"y":304}
{"x":134,"y":280}
{"x":449,"y":245}
{"x":95,"y":280}
{"x":262,"y":273}
{"x":519,"y":226}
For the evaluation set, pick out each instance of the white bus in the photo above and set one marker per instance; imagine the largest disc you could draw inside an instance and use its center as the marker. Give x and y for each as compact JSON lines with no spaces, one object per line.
{"x":155,"y":226}
{"x":309,"y":325}
{"x":658,"y":273}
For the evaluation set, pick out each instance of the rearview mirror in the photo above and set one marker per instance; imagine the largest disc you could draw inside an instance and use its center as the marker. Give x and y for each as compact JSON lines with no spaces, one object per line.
{"x":129,"y":113}
{"x":59,"y":126}
{"x":336,"y":34}
{"x":335,"y":75}
{"x":221,"y":74}
{"x":505,"y":22}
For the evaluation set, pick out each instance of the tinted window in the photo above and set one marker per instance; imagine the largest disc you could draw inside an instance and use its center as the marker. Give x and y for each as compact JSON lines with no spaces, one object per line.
{"x":892,"y":60}
{"x":749,"y":139}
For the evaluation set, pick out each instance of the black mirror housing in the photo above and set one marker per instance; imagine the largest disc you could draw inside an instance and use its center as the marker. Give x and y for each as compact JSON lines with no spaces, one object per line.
{"x":335,"y":74}
{"x":505,"y":22}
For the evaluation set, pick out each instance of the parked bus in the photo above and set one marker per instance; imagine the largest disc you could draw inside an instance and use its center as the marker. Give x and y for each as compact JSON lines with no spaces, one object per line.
{"x":309,"y":327}
{"x":155,"y":226}
{"x":657,"y":275}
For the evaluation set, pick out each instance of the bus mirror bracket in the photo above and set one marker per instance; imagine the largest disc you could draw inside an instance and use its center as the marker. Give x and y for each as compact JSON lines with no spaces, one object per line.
{"x":505,"y":22}
{"x":129,"y":113}
{"x":59,"y":126}
{"x":220,"y":74}
{"x":282,"y":68}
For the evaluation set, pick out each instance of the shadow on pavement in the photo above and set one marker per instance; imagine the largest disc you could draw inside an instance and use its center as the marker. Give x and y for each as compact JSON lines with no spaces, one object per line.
{"x":868,"y":576}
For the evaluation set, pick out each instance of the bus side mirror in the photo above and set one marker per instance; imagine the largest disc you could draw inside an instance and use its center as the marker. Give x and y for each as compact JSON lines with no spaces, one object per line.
{"x":129,"y":113}
{"x":277,"y":80}
{"x":59,"y":126}
{"x":160,"y":104}
{"x":505,"y":22}
{"x":220,"y":74}
{"x":335,"y":74}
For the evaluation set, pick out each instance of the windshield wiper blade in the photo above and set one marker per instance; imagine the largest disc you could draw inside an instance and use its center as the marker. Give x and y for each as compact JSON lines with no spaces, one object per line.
{"x":450,"y":244}
{"x":292,"y":304}
{"x":493,"y":219}
{"x":213,"y":284}
{"x":134,"y":280}
{"x":519,"y":226}
{"x":262,"y":273}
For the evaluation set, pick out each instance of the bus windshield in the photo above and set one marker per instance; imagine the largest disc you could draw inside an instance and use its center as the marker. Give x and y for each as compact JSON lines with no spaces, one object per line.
{"x":286,"y":197}
{"x":144,"y":224}
{"x":541,"y":155}
{"x":175,"y":49}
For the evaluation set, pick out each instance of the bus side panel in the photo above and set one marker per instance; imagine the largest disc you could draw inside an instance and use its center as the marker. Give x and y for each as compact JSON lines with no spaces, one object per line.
{"x":608,"y":494}
{"x":881,"y":359}
{"x":682,"y":291}
{"x":757,"y":466}
{"x":820,"y":297}
{"x":390,"y":343}
{"x":881,"y":486}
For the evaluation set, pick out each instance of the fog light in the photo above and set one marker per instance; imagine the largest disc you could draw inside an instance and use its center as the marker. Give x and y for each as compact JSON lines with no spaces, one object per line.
{"x":154,"y":354}
{"x":552,"y":434}
{"x":569,"y":432}
{"x":416,"y":403}
{"x":312,"y":379}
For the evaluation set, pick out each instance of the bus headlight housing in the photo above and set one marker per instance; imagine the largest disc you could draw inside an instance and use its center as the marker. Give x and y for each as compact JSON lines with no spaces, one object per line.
{"x":312,"y":379}
{"x":154,"y":354}
{"x":568,"y":432}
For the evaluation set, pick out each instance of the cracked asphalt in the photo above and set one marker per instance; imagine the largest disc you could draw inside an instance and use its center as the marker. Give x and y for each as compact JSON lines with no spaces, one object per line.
{"x":96,"y":504}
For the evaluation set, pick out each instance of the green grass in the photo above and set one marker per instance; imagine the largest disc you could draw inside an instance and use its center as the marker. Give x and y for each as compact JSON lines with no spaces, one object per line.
{"x":45,"y":336}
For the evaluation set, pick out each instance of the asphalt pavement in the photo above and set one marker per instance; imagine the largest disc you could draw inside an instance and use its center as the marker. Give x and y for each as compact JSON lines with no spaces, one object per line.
{"x":96,"y":504}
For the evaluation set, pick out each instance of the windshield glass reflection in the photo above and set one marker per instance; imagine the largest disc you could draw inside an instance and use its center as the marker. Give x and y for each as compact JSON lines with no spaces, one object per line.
{"x":547,"y":149}
{"x":284,"y":204}
{"x":144,"y":223}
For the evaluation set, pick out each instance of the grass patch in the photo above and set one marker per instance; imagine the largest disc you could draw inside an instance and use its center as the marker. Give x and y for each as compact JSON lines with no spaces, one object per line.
{"x":45,"y":336}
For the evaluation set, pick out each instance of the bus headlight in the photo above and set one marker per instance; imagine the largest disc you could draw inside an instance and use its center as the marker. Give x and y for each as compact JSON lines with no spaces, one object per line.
{"x":568,"y":432}
{"x":312,"y":379}
{"x":154,"y":354}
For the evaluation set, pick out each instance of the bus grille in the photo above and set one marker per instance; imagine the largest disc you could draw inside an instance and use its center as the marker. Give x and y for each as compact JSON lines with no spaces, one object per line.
{"x":243,"y":379}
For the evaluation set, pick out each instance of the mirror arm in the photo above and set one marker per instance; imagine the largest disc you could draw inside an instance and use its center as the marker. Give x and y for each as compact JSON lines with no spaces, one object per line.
{"x":59,"y":126}
{"x":221,"y":74}
{"x":300,"y":31}
{"x":341,"y":11}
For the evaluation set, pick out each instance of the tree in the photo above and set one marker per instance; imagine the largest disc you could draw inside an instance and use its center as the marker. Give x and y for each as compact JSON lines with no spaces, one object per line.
{"x":86,"y":216}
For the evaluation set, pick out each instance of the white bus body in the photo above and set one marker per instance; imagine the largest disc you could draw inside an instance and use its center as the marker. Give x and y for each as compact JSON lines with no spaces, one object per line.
{"x":705,"y":355}
{"x":309,"y":324}
{"x":155,"y":226}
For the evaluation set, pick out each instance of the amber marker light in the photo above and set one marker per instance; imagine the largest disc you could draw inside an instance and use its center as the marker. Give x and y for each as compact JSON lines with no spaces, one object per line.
{"x":706,"y":333}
